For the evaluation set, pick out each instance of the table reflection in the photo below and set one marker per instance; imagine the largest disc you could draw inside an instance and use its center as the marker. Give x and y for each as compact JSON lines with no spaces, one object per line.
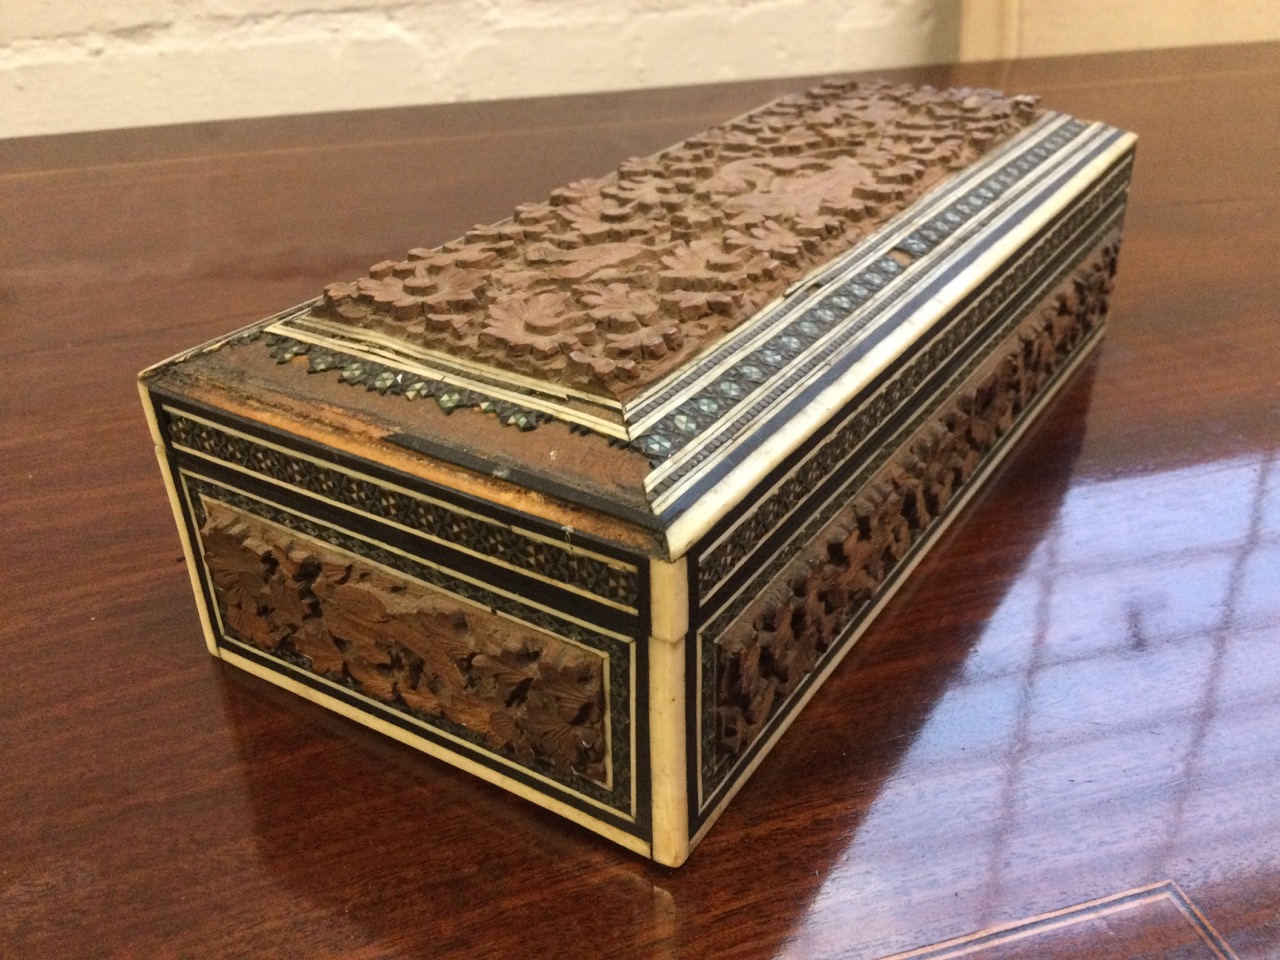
{"x":1132,"y":656}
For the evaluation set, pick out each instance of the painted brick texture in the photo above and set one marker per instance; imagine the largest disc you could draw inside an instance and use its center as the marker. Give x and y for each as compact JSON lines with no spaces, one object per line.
{"x":75,"y":65}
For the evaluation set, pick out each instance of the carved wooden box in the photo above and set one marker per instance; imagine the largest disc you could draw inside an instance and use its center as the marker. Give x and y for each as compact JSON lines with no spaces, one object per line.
{"x":589,"y":501}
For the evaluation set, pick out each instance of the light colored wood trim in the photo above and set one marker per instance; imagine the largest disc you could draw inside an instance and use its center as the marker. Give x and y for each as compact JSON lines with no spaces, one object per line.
{"x":687,"y":528}
{"x":385,"y":484}
{"x":175,"y":503}
{"x":448,"y":571}
{"x":668,"y":718}
{"x":669,"y":599}
{"x":990,"y":29}
{"x":488,"y":774}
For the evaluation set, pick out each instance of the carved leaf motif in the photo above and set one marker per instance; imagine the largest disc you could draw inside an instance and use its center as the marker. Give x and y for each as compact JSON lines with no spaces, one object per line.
{"x":825,"y":166}
{"x":697,"y":265}
{"x":646,"y":193}
{"x":237,"y":565}
{"x":574,"y":685}
{"x":375,"y":679}
{"x":692,"y":305}
{"x":776,"y":642}
{"x":583,"y":262}
{"x":314,"y":642}
{"x":621,"y":306}
{"x":542,"y":325}
{"x":455,"y":287}
{"x":650,"y":343}
{"x":599,"y":218}
{"x":524,"y":693}
{"x":288,"y":608}
{"x":502,"y":675}
{"x":832,"y":190}
{"x":578,"y":190}
{"x":771,"y":238}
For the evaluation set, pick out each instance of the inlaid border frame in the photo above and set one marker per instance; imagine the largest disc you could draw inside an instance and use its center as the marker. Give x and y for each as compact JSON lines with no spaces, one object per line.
{"x":705,"y":811}
{"x":707,"y":803}
{"x":633,"y":832}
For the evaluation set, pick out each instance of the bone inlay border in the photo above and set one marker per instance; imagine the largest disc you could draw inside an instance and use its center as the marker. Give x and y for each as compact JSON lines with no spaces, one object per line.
{"x":718,"y":559}
{"x":801,"y":364}
{"x":618,"y":793}
{"x":588,"y":573}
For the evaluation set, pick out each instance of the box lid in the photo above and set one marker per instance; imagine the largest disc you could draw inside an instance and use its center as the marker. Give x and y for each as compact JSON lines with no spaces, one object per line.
{"x":650,"y":344}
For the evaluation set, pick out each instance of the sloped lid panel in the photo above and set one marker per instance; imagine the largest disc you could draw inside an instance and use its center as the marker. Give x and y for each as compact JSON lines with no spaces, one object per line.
{"x":648,"y":342}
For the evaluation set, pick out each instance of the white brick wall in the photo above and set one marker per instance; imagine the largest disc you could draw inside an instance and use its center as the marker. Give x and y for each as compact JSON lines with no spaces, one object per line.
{"x":80,"y":65}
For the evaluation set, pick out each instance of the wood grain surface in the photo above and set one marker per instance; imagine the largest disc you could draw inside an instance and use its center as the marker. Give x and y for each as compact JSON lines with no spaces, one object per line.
{"x":1076,"y":698}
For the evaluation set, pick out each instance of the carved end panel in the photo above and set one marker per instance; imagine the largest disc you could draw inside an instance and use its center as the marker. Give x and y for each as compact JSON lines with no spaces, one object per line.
{"x":521,"y":693}
{"x":763,"y":657}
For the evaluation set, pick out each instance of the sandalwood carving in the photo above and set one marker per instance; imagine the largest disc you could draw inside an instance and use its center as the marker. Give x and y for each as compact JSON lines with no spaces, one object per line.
{"x":764,"y":656}
{"x":615,"y":281}
{"x":521,"y":693}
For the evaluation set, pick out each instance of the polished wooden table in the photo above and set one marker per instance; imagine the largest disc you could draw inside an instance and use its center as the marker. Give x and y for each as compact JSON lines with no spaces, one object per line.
{"x":1062,"y":738}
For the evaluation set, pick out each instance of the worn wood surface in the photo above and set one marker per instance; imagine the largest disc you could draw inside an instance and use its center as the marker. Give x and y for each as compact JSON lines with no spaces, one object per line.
{"x":1077,"y":698}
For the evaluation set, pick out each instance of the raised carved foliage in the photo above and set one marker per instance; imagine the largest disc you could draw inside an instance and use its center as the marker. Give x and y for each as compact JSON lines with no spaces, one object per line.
{"x":521,"y":693}
{"x":779,"y":640}
{"x":616,"y":280}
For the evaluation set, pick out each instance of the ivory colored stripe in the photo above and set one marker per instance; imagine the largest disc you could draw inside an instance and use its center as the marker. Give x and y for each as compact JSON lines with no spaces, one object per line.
{"x":687,"y":528}
{"x":418,"y":495}
{"x":484,"y":772}
{"x":175,"y":504}
{"x":668,"y":717}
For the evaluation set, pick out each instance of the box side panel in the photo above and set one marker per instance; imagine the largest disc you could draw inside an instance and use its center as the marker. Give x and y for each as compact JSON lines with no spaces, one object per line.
{"x":787,"y":581}
{"x":504,"y":645}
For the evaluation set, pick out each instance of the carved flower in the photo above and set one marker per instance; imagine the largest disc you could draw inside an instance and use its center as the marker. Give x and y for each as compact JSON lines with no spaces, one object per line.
{"x":599,"y":219}
{"x":698,"y":265}
{"x":796,"y":140}
{"x":816,"y":226}
{"x":878,"y":112}
{"x":455,"y":287}
{"x":543,"y":313}
{"x":694,"y":304}
{"x":918,"y":98}
{"x":702,"y":265}
{"x":578,"y":190}
{"x":769,"y":237}
{"x":646,"y":193}
{"x":903,"y":172}
{"x":439,"y":328}
{"x":741,"y":142}
{"x":392,"y":268}
{"x":584,"y":369}
{"x":388,"y":295}
{"x":828,"y":116}
{"x":623,"y":307}
{"x":580,"y":263}
{"x":651,"y":343}
{"x":534,"y":214}
{"x":236,"y":565}
{"x":467,"y":256}
{"x":340,"y":301}
{"x":543,"y":324}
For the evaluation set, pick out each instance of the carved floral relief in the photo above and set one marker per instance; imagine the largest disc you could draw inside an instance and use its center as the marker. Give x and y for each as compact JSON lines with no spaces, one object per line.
{"x":615,"y":280}
{"x":521,"y":693}
{"x":764,"y":656}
